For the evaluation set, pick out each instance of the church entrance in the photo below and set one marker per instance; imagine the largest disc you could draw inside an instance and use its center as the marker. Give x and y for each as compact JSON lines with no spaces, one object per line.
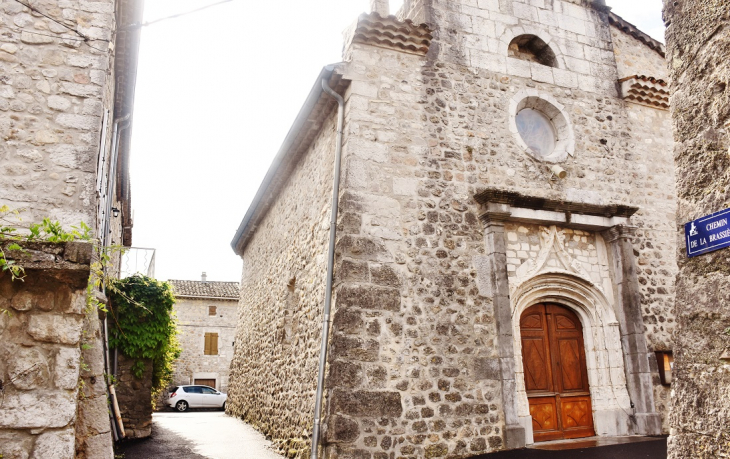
{"x":556,"y":379}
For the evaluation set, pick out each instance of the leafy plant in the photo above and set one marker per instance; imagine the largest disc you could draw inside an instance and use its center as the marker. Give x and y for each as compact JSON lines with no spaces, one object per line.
{"x":144,"y":326}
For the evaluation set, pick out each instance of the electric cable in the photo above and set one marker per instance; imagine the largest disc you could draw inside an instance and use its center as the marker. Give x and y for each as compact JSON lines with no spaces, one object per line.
{"x":172,"y":16}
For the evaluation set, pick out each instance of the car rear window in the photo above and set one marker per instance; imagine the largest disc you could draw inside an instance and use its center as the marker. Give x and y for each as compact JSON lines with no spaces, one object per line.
{"x":173,"y":389}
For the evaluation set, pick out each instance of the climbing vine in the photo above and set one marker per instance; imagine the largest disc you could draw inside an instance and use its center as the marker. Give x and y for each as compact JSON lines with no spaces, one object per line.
{"x":144,"y":326}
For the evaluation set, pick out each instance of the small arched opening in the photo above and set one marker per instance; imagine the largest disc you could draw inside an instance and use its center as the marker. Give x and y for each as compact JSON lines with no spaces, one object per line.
{"x":533,"y":49}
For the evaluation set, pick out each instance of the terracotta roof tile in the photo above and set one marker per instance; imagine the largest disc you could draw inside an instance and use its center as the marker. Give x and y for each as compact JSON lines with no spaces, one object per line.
{"x":200,"y":289}
{"x":645,"y":90}
{"x":389,"y":32}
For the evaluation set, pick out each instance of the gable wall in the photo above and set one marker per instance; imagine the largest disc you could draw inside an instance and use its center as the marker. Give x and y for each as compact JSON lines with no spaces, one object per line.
{"x":274,"y":368}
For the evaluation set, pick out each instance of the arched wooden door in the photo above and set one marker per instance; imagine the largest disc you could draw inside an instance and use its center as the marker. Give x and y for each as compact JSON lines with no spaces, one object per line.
{"x":556,"y":379}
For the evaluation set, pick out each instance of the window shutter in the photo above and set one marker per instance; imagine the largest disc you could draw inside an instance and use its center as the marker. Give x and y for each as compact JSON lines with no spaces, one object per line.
{"x":207,"y":344}
{"x":214,"y":344}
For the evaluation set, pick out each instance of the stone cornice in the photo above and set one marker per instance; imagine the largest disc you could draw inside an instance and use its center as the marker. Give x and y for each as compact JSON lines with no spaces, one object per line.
{"x":516,"y":199}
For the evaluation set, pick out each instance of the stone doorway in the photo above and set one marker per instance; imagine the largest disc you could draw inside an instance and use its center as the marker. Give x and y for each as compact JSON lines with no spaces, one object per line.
{"x":555,"y":373}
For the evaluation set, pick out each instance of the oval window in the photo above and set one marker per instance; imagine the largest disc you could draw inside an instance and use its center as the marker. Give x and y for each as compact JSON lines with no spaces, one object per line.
{"x":537,"y":131}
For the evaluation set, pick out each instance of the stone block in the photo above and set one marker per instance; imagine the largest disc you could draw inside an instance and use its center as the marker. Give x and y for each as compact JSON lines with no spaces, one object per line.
{"x":353,"y":348}
{"x":67,"y":368}
{"x":369,"y":297}
{"x":369,"y":404}
{"x":38,"y":409}
{"x":353,"y":271}
{"x":345,"y":374}
{"x":58,"y":444}
{"x":94,"y":413}
{"x":341,"y":429}
{"x":28,"y":368}
{"x":55,"y":328}
{"x":23,"y":301}
{"x":15,"y":444}
{"x":99,"y":446}
{"x":385,"y":275}
{"x":34,"y":38}
{"x":487,"y":368}
{"x":363,"y":248}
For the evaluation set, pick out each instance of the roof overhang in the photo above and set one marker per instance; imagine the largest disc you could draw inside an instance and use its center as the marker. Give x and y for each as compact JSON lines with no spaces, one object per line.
{"x":126,"y":57}
{"x":307,"y":125}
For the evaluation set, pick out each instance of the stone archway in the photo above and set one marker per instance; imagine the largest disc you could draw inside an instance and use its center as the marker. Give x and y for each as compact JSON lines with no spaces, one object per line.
{"x":602,"y":340}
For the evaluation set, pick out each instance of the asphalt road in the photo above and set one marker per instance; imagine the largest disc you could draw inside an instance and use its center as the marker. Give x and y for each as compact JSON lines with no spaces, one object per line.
{"x":198,"y":435}
{"x":213,"y":435}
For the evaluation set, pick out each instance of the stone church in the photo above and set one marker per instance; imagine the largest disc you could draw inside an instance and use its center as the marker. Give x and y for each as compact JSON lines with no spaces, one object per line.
{"x":504,"y":257}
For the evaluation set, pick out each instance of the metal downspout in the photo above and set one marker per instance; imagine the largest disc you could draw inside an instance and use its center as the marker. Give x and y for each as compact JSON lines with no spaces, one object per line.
{"x":330,"y":269}
{"x":115,"y":414}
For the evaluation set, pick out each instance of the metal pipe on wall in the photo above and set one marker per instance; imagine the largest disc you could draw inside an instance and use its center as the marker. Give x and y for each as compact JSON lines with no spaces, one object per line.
{"x":330,"y":270}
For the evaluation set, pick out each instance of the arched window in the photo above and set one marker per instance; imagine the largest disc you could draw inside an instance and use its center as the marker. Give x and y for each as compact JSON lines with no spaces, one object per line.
{"x":532,"y":48}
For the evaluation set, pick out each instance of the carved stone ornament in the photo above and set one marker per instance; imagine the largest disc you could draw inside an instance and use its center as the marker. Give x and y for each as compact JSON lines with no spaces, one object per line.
{"x":553,"y":248}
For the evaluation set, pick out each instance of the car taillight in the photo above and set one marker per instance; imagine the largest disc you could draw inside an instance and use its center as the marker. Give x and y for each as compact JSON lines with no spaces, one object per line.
{"x":173,"y":394}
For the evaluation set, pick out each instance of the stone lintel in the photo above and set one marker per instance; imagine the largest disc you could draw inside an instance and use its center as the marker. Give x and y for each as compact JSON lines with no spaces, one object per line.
{"x":570,"y":209}
{"x":498,"y":212}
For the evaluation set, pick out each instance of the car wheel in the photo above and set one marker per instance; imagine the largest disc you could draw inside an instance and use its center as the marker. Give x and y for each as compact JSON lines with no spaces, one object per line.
{"x":181,"y":406}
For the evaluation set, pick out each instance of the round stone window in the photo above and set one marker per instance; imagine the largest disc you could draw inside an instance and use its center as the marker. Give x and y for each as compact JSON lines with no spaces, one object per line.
{"x":540,"y":126}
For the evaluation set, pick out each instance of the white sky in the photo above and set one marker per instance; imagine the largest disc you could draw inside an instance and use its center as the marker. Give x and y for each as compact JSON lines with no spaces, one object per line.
{"x":216,"y":93}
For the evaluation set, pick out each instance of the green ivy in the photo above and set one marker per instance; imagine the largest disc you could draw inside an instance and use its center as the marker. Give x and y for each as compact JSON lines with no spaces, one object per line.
{"x":144,"y":326}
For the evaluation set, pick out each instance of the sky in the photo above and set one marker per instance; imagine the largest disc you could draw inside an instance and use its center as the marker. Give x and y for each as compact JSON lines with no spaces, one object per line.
{"x":216,"y":93}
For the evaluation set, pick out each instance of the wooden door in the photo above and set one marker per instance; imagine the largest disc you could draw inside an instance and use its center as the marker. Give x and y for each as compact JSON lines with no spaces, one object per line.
{"x":556,"y":378}
{"x":205,"y":382}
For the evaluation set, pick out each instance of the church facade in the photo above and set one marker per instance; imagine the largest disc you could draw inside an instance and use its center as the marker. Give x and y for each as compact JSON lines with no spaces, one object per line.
{"x":505,"y":251}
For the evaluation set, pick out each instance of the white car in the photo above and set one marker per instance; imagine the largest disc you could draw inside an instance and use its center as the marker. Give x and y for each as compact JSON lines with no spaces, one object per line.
{"x":184,"y":397}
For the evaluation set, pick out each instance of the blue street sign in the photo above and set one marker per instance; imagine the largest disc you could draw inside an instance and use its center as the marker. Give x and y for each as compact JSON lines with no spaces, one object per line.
{"x":708,"y":233}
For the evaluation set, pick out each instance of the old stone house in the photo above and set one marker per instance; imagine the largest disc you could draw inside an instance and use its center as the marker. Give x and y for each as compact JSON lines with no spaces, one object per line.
{"x":206,"y":312}
{"x":67,"y":78}
{"x":504,"y":261}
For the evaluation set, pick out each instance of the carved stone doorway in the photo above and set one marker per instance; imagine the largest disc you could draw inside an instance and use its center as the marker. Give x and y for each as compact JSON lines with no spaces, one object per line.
{"x":556,"y":377}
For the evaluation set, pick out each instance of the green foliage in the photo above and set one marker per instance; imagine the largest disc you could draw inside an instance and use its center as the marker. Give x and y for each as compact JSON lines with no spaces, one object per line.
{"x":144,"y":326}
{"x":46,"y":231}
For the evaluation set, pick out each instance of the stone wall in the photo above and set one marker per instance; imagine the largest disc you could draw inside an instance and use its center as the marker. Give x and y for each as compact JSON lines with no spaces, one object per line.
{"x":194,"y":322}
{"x":274,"y":368}
{"x":54,"y":90}
{"x":44,"y":326}
{"x":635,"y":58}
{"x":698,"y":53}
{"x":134,"y":396}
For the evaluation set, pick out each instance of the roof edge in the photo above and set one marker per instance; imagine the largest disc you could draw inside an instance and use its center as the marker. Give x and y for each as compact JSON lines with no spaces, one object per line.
{"x":258,"y":206}
{"x":630,"y":29}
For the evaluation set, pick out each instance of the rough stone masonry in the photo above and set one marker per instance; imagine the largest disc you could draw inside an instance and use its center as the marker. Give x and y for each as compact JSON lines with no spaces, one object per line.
{"x":698,"y":54}
{"x":450,"y":226}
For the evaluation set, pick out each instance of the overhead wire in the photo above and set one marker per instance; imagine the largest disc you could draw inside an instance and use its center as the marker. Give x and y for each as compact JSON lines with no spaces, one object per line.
{"x":172,"y":16}
{"x":73,"y":29}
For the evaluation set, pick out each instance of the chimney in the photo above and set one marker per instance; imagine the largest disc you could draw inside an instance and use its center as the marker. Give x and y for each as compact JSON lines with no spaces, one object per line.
{"x":382,"y":7}
{"x":204,"y":277}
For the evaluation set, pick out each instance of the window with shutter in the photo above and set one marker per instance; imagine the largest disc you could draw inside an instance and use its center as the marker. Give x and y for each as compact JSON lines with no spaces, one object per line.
{"x":211,"y":344}
{"x":211,"y":310}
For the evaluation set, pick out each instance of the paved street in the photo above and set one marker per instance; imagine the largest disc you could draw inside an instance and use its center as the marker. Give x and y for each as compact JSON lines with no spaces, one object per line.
{"x":199,"y":435}
{"x":213,"y":435}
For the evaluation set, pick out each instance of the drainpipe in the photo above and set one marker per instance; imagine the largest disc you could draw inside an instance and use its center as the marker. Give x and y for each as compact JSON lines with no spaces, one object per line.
{"x":330,"y":269}
{"x":118,"y":425}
